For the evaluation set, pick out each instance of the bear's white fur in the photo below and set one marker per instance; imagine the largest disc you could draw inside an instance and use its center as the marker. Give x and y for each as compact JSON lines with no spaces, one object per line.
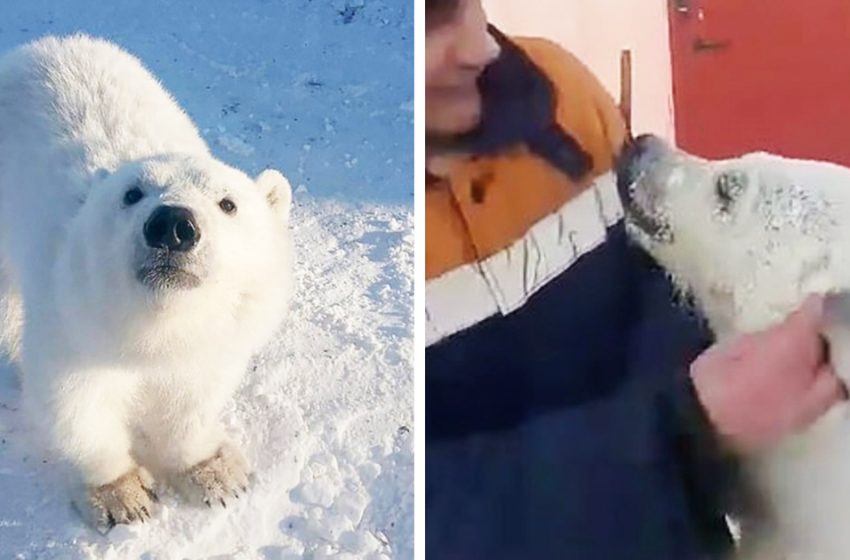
{"x":127,"y":351}
{"x":748,"y":239}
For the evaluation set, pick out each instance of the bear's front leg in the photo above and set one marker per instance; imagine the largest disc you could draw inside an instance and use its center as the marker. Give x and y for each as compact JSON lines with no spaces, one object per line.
{"x":87,"y":417}
{"x":203,"y":465}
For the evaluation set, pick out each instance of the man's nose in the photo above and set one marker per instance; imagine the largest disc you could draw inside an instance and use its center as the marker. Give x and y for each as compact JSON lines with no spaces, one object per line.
{"x":475,"y":46}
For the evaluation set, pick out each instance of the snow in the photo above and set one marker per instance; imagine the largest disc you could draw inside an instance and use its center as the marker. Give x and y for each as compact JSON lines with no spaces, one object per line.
{"x":322,"y":90}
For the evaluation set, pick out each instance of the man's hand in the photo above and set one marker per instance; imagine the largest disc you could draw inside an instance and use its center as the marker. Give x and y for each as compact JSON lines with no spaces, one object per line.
{"x":760,"y":387}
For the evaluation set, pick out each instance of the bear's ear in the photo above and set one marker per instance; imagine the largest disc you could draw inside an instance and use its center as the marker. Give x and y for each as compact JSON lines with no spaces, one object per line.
{"x":277,"y":191}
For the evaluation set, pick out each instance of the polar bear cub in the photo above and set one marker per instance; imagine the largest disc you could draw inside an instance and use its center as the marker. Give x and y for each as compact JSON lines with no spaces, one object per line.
{"x":748,"y":239}
{"x":138,"y":275}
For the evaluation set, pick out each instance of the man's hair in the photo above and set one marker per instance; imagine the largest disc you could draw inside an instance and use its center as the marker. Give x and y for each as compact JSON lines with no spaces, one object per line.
{"x":439,"y":12}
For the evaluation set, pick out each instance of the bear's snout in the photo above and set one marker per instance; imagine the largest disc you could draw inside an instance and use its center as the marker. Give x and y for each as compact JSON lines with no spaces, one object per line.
{"x":173,"y":228}
{"x":637,"y":170}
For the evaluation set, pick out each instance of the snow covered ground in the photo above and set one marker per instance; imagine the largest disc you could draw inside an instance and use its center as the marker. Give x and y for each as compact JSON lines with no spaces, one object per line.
{"x":323,"y":90}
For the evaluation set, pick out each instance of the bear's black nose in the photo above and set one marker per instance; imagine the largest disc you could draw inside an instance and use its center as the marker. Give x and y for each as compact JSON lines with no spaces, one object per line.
{"x":646,"y":142}
{"x":635,"y":150}
{"x":172,"y":228}
{"x":634,"y":159}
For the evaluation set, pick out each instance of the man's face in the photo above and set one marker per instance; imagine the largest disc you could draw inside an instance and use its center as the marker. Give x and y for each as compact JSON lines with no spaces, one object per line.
{"x":457,"y":49}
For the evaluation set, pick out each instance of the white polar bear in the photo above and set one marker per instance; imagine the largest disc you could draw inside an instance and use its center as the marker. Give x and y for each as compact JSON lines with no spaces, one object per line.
{"x":748,"y":239}
{"x":139,"y":274}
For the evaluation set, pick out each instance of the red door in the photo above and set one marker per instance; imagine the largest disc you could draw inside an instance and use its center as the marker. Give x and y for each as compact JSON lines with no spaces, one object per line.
{"x":769,"y":75}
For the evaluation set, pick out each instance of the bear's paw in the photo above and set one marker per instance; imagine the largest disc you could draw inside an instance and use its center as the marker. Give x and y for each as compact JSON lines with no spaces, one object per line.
{"x":216,"y":480}
{"x":127,"y":499}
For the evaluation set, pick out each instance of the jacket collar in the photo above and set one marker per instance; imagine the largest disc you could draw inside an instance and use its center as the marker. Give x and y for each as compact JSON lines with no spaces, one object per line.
{"x":518,"y":101}
{"x":519,"y":107}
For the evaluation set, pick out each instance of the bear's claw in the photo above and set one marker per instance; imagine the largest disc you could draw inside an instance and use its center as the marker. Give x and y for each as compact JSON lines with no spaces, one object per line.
{"x":152,"y":495}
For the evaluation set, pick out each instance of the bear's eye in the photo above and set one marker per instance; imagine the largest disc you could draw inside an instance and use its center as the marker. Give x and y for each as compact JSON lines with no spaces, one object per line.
{"x":227,"y":205}
{"x":729,"y":187}
{"x":133,"y":195}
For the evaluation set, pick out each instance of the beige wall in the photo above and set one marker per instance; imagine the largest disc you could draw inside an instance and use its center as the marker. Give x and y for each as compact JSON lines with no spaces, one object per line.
{"x":596,"y":31}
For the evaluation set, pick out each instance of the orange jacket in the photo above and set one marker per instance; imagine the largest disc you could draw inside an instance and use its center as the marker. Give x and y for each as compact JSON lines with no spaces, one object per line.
{"x":485,"y":203}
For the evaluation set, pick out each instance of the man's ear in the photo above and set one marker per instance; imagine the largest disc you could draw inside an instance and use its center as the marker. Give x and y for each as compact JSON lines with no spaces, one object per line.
{"x":277,"y":191}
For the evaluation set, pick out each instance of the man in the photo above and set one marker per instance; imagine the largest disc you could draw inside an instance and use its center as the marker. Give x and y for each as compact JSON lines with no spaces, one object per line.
{"x":563,"y":419}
